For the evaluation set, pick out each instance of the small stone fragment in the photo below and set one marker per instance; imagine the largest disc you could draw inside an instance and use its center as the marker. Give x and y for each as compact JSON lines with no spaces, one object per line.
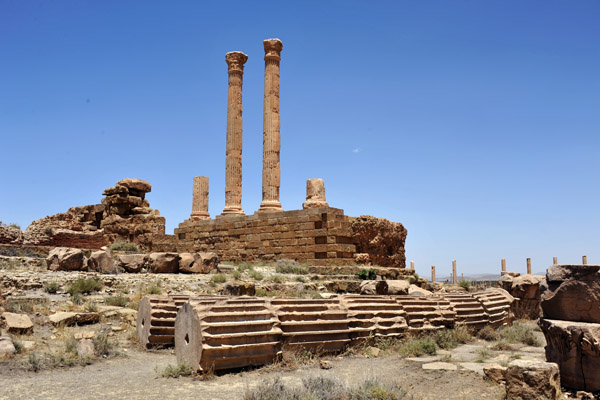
{"x":85,"y":348}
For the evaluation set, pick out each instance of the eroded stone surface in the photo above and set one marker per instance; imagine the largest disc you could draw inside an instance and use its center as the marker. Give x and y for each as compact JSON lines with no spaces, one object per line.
{"x":65,"y":259}
{"x":526,"y":380}
{"x":101,"y":261}
{"x":315,"y":194}
{"x":163,"y":262}
{"x":383,"y":240}
{"x":198,"y":263}
{"x":131,"y":262}
{"x":575,"y":347}
{"x":17,"y":323}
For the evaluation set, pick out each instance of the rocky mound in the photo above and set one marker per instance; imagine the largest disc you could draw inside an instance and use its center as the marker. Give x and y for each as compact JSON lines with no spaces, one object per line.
{"x":381,"y":239}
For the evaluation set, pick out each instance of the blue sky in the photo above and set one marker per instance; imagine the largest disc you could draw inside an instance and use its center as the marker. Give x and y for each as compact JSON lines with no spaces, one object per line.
{"x":474,"y":123}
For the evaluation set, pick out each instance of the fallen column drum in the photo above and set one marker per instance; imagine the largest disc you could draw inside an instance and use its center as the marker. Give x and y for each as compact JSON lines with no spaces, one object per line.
{"x":224,"y":336}
{"x":314,"y":325}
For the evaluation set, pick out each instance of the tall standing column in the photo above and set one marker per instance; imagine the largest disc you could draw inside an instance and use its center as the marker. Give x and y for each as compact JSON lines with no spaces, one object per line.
{"x":433,"y":274}
{"x":454,"y":277}
{"x":200,"y":199}
{"x":233,"y":164}
{"x":271,"y":177}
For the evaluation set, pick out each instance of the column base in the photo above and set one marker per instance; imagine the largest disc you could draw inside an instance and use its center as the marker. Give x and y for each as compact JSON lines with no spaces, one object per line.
{"x":232,"y":211}
{"x":314,"y":204}
{"x":199,"y":216}
{"x":270,"y":206}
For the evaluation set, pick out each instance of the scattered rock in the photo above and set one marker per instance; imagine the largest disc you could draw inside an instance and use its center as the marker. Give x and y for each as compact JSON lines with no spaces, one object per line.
{"x":7,"y":347}
{"x":373,"y":287}
{"x":102,"y":262}
{"x":85,"y":348}
{"x":85,"y":335}
{"x":415,"y":290}
{"x":71,"y":318}
{"x":163,"y":262}
{"x":440,"y":365}
{"x":17,"y":323}
{"x":324,"y":364}
{"x":495,"y":372}
{"x":131,"y":262}
{"x":198,"y":263}
{"x":238,"y":288}
{"x":372,"y":351}
{"x":397,"y":287}
{"x":526,"y":380}
{"x":65,"y":259}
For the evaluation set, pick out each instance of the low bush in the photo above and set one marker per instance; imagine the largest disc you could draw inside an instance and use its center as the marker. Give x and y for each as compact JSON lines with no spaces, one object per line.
{"x":257,"y":276}
{"x":84,"y":286}
{"x":103,"y":346}
{"x":521,"y":332}
{"x":367,"y":274}
{"x":124,"y":246}
{"x":488,"y":333}
{"x":418,"y":346}
{"x":465,"y":284}
{"x":285,"y":266}
{"x":119,"y":300}
{"x":175,"y":371}
{"x":218,"y":278}
{"x":51,"y":287}
{"x":450,"y":338}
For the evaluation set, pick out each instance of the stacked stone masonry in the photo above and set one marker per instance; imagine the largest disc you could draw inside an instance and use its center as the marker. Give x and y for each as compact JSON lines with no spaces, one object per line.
{"x":315,"y":236}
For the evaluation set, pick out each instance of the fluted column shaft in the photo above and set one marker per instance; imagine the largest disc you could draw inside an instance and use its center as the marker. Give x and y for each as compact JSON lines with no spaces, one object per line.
{"x":233,"y":164}
{"x":271,"y":177}
{"x":200,"y":199}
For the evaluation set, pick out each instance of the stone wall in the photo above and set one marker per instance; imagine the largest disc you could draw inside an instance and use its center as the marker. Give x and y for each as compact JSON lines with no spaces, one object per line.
{"x":381,"y":239}
{"x":315,"y":236}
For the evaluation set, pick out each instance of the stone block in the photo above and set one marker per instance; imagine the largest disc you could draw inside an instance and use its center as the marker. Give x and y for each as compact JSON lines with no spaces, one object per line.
{"x":101,"y":261}
{"x":163,"y":263}
{"x":17,"y":323}
{"x":65,"y":259}
{"x":526,"y":380}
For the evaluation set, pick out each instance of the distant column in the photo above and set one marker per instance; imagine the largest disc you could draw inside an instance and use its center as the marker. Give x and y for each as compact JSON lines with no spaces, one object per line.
{"x":529,"y":265}
{"x":554,"y":260}
{"x":503,"y":266}
{"x":200,"y":199}
{"x":233,"y":164}
{"x":584,"y":260}
{"x":454,"y":278}
{"x":271,"y":178}
{"x":412,"y":265}
{"x":433,"y":273}
{"x":315,"y":194}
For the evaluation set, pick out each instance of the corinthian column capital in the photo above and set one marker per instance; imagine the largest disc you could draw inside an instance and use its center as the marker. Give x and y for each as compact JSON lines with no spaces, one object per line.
{"x":236,"y":60}
{"x":273,"y":49}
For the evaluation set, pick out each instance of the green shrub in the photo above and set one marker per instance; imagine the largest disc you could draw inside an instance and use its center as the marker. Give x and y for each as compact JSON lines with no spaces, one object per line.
{"x":175,"y":371}
{"x":450,"y":338}
{"x":257,"y":276}
{"x":34,"y":362}
{"x":18,"y":346}
{"x":465,"y":284}
{"x":51,"y":287}
{"x":119,"y":300}
{"x":521,"y":332}
{"x":84,"y":286}
{"x":124,"y":246}
{"x":218,"y":278}
{"x":103,"y":346}
{"x":245,"y":267}
{"x":91,"y":307}
{"x":367,"y":274}
{"x":418,"y":346}
{"x":286,"y":266}
{"x":19,"y":306}
{"x":276,"y":278}
{"x":236,"y":274}
{"x":488,"y":333}
{"x":153,"y":289}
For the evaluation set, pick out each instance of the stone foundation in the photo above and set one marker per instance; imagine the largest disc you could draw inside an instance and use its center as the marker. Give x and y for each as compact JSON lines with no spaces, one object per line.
{"x":314,"y":236}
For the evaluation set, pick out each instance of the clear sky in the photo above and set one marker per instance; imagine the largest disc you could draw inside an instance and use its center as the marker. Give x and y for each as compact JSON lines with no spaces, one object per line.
{"x":474,"y":123}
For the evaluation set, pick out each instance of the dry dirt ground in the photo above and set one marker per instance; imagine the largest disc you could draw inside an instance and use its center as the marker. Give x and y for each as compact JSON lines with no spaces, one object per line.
{"x":137,"y":376}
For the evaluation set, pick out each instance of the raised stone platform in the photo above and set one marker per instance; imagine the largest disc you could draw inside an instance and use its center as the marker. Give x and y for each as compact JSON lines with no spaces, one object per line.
{"x":315,"y":236}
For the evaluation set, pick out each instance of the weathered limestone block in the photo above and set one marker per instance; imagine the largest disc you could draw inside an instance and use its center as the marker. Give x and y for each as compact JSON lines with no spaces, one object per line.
{"x":163,"y":263}
{"x":17,"y":323}
{"x":7,"y":348}
{"x":526,"y":291}
{"x":198,"y":263}
{"x":315,"y":194}
{"x":131,"y":262}
{"x":397,"y":287}
{"x":572,"y":293}
{"x":373,"y":287}
{"x":64,"y":318}
{"x":575,"y":347}
{"x":135,"y":185}
{"x":85,"y":348}
{"x":10,"y":234}
{"x":101,"y":261}
{"x":495,"y":372}
{"x":65,"y":259}
{"x":239,"y":288}
{"x":381,"y":239}
{"x":526,"y":380}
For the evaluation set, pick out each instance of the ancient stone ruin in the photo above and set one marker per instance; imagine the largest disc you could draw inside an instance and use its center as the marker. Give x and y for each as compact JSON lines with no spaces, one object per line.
{"x":571,"y":323}
{"x":123,"y":215}
{"x":218,"y":333}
